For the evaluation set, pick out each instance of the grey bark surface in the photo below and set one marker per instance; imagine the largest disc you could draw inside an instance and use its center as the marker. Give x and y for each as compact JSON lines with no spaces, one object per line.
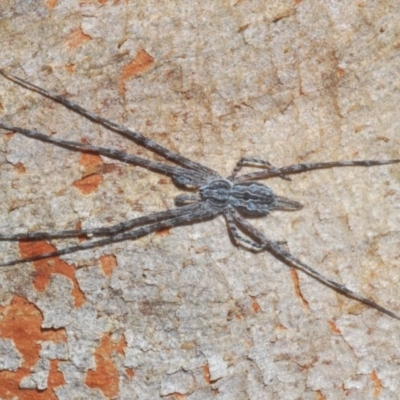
{"x":201,"y":319}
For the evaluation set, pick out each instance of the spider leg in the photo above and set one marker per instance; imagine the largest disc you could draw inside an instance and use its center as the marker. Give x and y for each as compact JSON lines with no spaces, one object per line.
{"x":135,"y":136}
{"x":282,"y":254}
{"x":105,"y":231}
{"x":196,"y":214}
{"x":183,"y":176}
{"x":240,"y":240}
{"x":255,"y":162}
{"x":183,"y":199}
{"x":305,"y":167}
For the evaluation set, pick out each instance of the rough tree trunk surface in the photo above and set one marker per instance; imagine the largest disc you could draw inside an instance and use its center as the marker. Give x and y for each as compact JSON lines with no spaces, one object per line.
{"x":184,"y":314}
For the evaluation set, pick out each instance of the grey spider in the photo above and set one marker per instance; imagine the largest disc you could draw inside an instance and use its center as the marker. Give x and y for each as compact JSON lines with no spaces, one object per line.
{"x":234,"y":197}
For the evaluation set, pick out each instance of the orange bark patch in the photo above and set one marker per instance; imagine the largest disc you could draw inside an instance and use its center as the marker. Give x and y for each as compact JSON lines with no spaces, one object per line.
{"x":130,"y":372}
{"x":163,"y":232}
{"x":319,"y":395}
{"x":377,"y":384}
{"x":91,"y":163}
{"x":78,"y":227}
{"x":280,"y":328}
{"x":70,"y":68}
{"x":56,"y":378}
{"x":44,"y":268}
{"x":340,"y":72}
{"x":121,"y":346}
{"x":334,"y":328}
{"x":105,"y":377}
{"x":108,"y":263}
{"x":164,"y":181}
{"x":88,"y":184}
{"x":254,"y":305}
{"x":206,"y":374}
{"x":297,"y":287}
{"x":77,"y":38}
{"x":141,"y":63}
{"x":178,"y":396}
{"x":51,"y":3}
{"x":20,"y":168}
{"x":21,"y":322}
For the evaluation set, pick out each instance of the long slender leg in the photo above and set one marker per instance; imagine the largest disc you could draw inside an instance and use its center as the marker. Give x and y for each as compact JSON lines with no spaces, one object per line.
{"x":192,"y":177}
{"x":280,"y":253}
{"x":239,"y":239}
{"x":184,"y":199}
{"x":103,"y":231}
{"x":251,"y":162}
{"x":299,"y":168}
{"x":135,"y":136}
{"x":197,"y":214}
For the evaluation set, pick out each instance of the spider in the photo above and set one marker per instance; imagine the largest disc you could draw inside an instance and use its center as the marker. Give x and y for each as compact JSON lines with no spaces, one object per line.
{"x":234,"y":197}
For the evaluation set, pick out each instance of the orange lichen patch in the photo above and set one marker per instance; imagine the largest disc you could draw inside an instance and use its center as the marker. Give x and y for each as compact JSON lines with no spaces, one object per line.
{"x":141,"y":63}
{"x":334,"y":328}
{"x":206,"y":374}
{"x":105,"y":377}
{"x":21,"y":322}
{"x":163,"y":232}
{"x":88,"y":184}
{"x":377,"y":384}
{"x":295,"y":278}
{"x":44,"y":268}
{"x":108,"y":263}
{"x":20,"y":168}
{"x":51,"y":3}
{"x":76,"y":38}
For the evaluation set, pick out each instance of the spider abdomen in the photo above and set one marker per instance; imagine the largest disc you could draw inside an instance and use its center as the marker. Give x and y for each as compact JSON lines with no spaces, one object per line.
{"x":252,"y":198}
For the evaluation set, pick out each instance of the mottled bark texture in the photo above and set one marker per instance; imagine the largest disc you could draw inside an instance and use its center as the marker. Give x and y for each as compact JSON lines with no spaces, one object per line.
{"x":183,"y":314}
